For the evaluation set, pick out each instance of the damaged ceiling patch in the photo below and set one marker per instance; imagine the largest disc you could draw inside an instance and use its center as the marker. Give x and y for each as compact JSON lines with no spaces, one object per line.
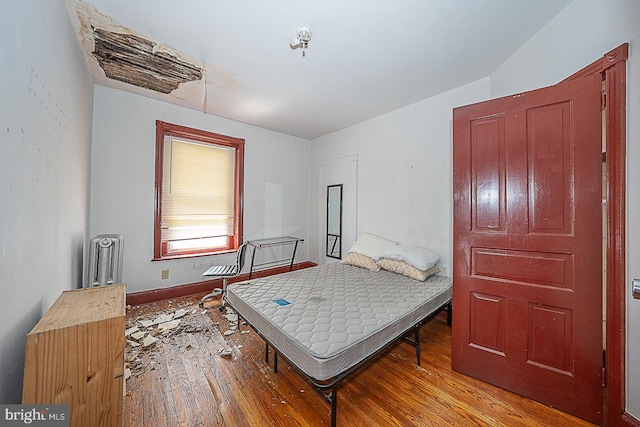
{"x":135,"y":60}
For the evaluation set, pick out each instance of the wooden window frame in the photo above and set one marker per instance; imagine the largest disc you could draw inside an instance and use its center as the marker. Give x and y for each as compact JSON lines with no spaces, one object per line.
{"x":163,"y":129}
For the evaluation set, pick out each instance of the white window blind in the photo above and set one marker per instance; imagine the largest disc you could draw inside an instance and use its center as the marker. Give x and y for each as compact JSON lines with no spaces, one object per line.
{"x":197,"y":194}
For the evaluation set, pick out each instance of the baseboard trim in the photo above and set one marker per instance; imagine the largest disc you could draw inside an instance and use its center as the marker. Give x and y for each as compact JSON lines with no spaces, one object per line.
{"x":629,"y":420}
{"x":161,"y":294}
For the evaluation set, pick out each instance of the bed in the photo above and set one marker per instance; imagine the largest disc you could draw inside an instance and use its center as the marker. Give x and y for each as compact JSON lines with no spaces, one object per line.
{"x":328,"y":321}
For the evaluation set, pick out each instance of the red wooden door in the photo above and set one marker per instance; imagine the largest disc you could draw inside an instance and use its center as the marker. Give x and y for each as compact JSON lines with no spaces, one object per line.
{"x":527,"y":293}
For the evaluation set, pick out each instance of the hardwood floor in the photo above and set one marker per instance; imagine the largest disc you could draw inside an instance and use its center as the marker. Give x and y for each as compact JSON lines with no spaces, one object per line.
{"x":184,"y":380}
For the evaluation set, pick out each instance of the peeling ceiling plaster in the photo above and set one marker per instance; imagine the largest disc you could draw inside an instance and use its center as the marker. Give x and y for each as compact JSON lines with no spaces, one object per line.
{"x":119,"y":57}
{"x":365,"y":59}
{"x":135,"y":60}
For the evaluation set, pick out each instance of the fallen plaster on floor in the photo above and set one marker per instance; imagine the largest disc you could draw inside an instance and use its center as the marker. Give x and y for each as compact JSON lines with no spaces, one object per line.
{"x":145,"y":332}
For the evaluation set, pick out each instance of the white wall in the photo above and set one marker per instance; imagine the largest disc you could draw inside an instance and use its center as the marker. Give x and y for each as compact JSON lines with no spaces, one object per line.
{"x":633,"y":227}
{"x":45,"y":128}
{"x":404,"y":172}
{"x":580,"y":34}
{"x":583,"y":32}
{"x":122,"y":182}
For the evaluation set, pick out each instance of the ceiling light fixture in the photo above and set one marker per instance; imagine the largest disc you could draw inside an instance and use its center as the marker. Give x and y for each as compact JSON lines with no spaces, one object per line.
{"x":301,"y":40}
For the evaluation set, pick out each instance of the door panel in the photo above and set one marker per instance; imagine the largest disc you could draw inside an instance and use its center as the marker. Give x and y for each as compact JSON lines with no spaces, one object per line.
{"x":488,"y":183}
{"x":527,"y":245}
{"x":550,"y":338}
{"x":488,"y":314}
{"x":535,"y":268}
{"x":549,"y":169}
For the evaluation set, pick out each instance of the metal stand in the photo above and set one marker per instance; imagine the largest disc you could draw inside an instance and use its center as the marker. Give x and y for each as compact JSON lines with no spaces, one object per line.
{"x":268,"y":243}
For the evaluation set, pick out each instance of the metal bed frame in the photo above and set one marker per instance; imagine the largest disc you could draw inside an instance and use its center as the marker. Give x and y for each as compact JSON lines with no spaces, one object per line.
{"x":329,"y":388}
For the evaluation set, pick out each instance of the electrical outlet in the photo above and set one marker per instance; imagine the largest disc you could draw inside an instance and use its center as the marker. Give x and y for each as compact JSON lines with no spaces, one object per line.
{"x":165,"y":274}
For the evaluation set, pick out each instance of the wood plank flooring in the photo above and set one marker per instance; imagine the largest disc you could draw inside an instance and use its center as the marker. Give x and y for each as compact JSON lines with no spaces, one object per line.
{"x":182,"y":380}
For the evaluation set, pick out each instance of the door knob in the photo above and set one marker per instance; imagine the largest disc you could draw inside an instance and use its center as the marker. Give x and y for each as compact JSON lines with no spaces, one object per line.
{"x":635,"y":286}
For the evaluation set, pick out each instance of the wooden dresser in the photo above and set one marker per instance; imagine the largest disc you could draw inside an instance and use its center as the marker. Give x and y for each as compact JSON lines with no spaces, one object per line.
{"x":75,"y":356}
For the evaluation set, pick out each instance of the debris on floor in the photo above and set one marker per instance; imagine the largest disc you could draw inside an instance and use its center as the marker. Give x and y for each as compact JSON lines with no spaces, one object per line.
{"x":148,"y":341}
{"x":131,"y":331}
{"x":146,"y":323}
{"x":166,"y":326}
{"x":179,"y":313}
{"x":225,"y":352}
{"x":145,"y":332}
{"x":163,"y":318}
{"x":138,"y":335}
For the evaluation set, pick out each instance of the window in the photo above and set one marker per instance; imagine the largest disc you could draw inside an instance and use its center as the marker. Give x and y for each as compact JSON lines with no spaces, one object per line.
{"x":199,"y":188}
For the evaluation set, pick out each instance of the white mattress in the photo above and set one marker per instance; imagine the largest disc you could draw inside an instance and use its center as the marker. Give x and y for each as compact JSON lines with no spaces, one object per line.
{"x":337,"y":314}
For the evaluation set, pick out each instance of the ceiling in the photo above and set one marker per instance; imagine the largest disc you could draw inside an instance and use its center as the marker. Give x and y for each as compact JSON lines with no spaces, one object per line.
{"x":365,"y":58}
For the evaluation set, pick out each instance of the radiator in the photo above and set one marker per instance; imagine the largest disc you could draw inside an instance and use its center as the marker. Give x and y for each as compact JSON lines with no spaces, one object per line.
{"x":104,"y":266}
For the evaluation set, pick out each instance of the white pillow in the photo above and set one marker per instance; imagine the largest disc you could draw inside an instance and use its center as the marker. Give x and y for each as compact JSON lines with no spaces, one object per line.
{"x":371,"y":245}
{"x":421,"y":258}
